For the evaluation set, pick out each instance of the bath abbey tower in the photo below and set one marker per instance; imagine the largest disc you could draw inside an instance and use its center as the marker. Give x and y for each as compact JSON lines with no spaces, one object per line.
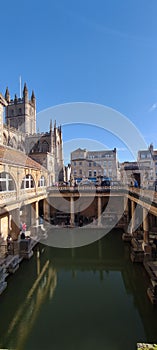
{"x":19,"y":132}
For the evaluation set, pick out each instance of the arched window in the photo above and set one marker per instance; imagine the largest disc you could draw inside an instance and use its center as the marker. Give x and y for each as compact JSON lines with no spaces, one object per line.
{"x":45,"y":147}
{"x":28,"y":182}
{"x":6,"y":182}
{"x":14,"y":142}
{"x":42,"y":182}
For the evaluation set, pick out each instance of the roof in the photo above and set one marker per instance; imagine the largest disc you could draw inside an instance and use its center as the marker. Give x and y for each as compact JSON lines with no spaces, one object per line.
{"x":14,"y":157}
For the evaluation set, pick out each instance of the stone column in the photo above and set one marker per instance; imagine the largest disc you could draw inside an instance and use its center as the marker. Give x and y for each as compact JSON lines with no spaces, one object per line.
{"x":46,"y":209}
{"x":150,"y":221}
{"x":72,"y":214}
{"x":145,"y":226}
{"x":14,"y":224}
{"x":99,"y":211}
{"x":37,"y":212}
{"x":132,"y":216}
{"x":33,"y":214}
{"x":126,"y":210}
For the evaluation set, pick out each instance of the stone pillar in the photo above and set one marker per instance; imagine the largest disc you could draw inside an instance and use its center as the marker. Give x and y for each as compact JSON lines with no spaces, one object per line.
{"x":145,"y":226}
{"x":72,"y":214}
{"x":37,"y":212}
{"x":132,"y":216}
{"x":14,"y":223}
{"x":150,"y":222}
{"x":99,"y":211}
{"x":46,"y":209}
{"x":33,"y":214}
{"x":126,"y":210}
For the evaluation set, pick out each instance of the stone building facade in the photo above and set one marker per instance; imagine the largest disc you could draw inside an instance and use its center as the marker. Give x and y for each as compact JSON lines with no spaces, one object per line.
{"x":91,"y":164}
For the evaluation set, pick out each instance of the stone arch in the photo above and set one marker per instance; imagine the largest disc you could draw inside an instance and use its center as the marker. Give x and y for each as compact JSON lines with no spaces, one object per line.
{"x":28,"y":182}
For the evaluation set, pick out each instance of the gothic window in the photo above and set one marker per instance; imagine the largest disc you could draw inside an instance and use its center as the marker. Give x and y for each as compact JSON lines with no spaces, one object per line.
{"x":45,"y":147}
{"x":28,"y":182}
{"x":12,"y":112}
{"x":6,"y":182}
{"x":42,"y":182}
{"x":20,"y":111}
{"x":14,"y":142}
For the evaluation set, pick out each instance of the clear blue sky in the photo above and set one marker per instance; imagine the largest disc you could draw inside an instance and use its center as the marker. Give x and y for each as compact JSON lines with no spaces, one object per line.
{"x":102,"y":51}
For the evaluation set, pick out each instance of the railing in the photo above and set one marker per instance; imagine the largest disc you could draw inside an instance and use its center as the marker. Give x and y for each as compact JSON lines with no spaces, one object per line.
{"x":144,"y":193}
{"x":86,"y":188}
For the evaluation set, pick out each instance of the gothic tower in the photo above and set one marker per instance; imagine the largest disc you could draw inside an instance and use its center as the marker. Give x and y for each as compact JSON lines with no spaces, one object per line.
{"x":3,"y":104}
{"x":21,"y":112}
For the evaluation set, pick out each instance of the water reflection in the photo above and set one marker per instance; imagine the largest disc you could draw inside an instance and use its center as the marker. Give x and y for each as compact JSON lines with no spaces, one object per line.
{"x":25,"y":316}
{"x":85,"y":298}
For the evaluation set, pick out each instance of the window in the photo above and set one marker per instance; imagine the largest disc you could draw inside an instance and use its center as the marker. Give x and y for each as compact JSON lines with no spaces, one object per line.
{"x":80,"y":171}
{"x":143,"y":156}
{"x":80,"y":163}
{"x":74,"y":163}
{"x":75,"y":172}
{"x":109,"y":164}
{"x":94,"y":163}
{"x":28,"y":182}
{"x":6,"y":182}
{"x":45,"y":147}
{"x":90,"y":173}
{"x":89,"y":164}
{"x":42,"y":182}
{"x":94,"y":173}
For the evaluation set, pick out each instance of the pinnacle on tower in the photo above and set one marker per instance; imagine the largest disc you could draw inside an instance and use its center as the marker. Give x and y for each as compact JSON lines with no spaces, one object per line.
{"x":50,"y":125}
{"x":33,"y":96}
{"x":7,"y":95}
{"x":15,"y":99}
{"x":25,"y":91}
